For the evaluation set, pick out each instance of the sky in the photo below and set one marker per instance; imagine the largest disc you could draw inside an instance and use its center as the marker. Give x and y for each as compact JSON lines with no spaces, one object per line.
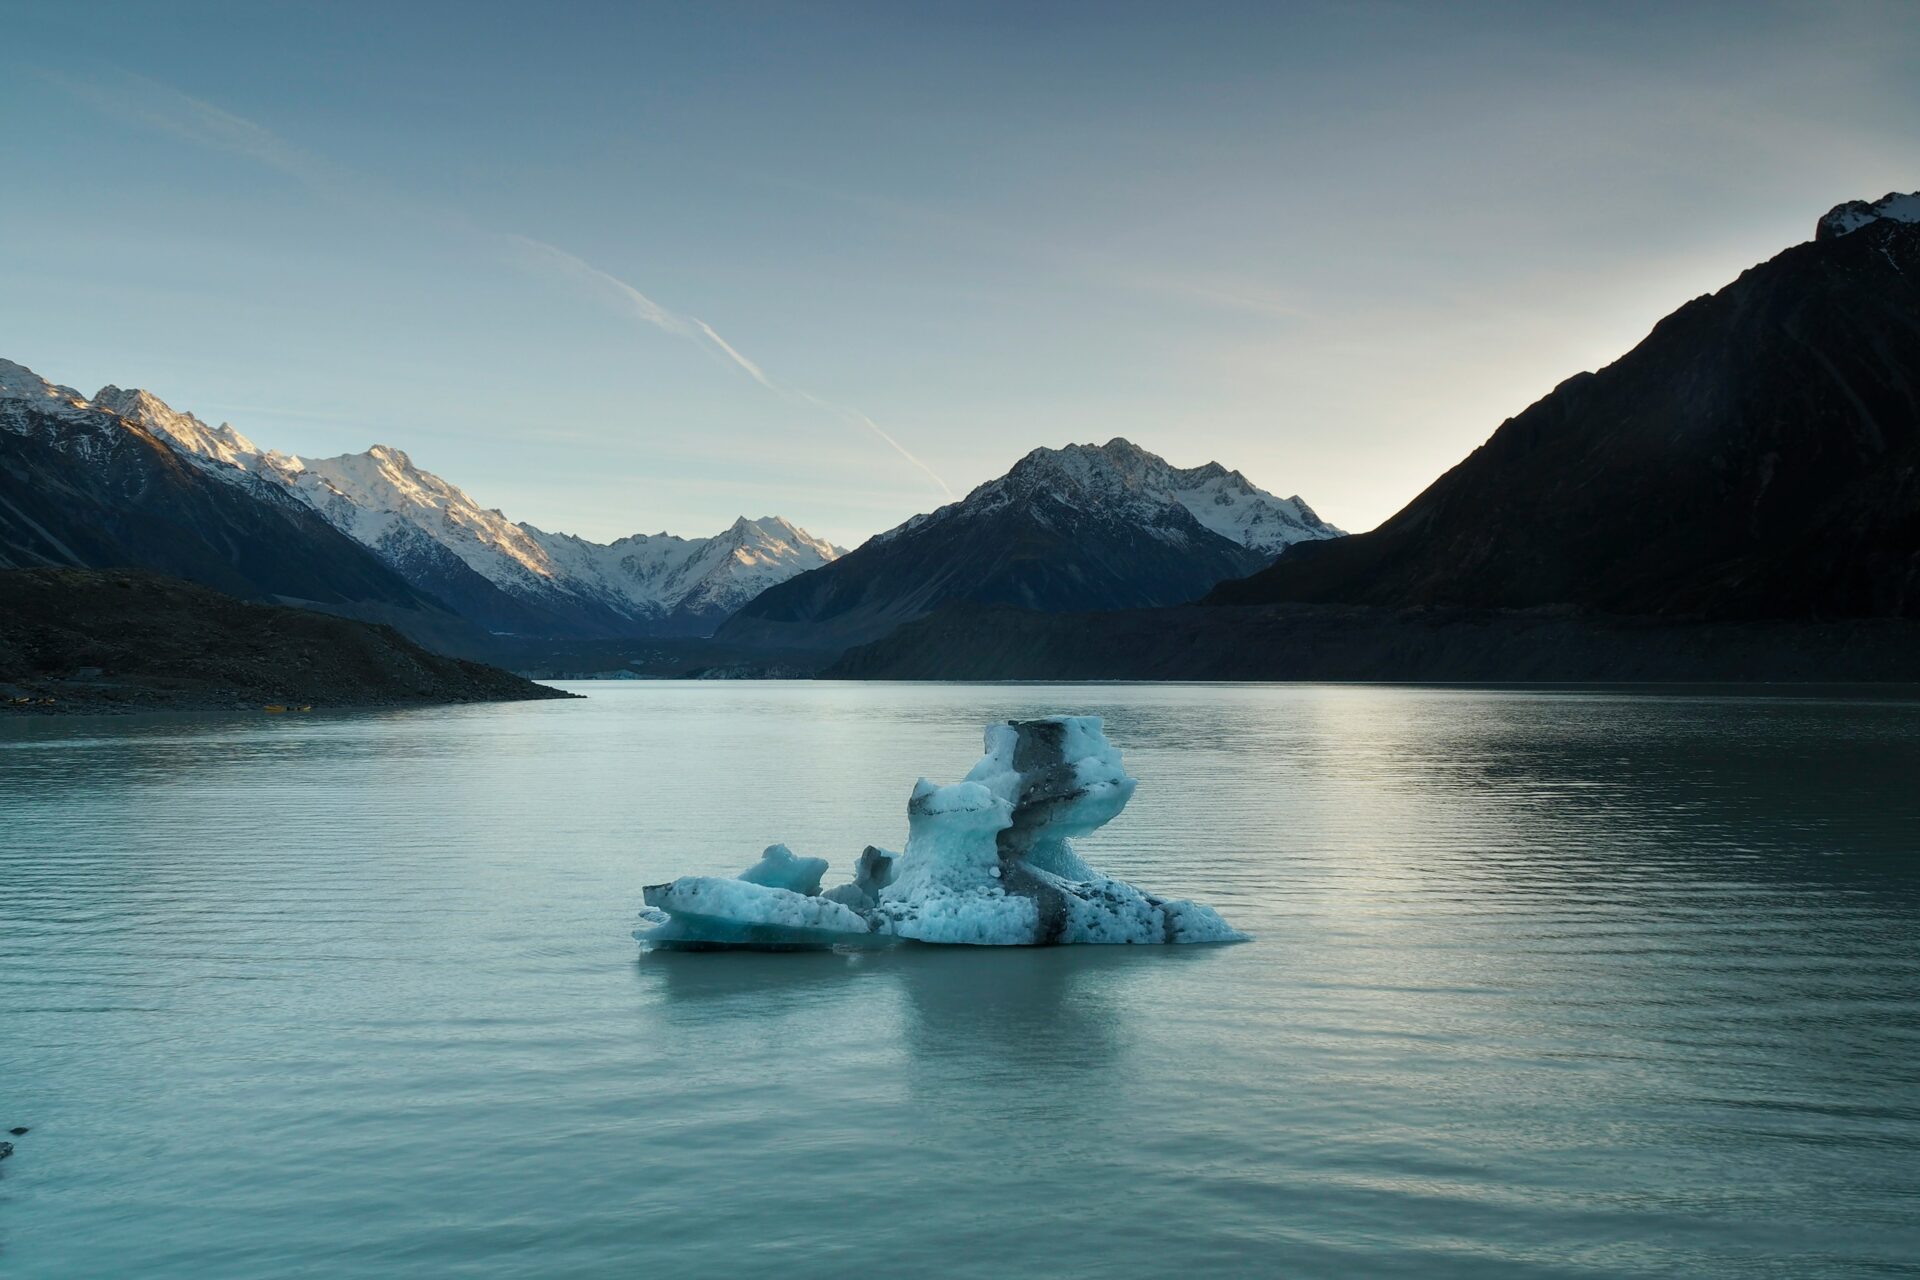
{"x":623,"y":268}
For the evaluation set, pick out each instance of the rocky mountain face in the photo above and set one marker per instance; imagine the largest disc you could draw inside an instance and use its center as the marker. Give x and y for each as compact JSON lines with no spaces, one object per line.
{"x":548,"y":583}
{"x":1895,"y":206}
{"x":1084,"y":527}
{"x":506,"y":577}
{"x":1757,"y":456}
{"x":82,"y":487}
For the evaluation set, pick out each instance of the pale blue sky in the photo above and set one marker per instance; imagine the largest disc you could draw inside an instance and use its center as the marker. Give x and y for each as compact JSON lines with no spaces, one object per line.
{"x":1331,"y":245}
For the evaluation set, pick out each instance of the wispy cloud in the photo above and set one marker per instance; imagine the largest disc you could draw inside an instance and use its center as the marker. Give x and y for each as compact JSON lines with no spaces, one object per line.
{"x":136,"y":99}
{"x":754,"y":370}
{"x":854,"y":415}
{"x":699,"y":331}
{"x":139,"y":100}
{"x":559,"y":261}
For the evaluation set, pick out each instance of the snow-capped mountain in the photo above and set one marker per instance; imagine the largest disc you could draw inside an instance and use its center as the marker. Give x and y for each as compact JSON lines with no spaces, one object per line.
{"x":83,"y":487}
{"x":1085,"y":527}
{"x":507,"y":576}
{"x":658,"y":581}
{"x":1843,"y":219}
{"x":711,"y":577}
{"x":56,"y":416}
{"x":1124,"y":480}
{"x":17,"y":382}
{"x":184,"y":431}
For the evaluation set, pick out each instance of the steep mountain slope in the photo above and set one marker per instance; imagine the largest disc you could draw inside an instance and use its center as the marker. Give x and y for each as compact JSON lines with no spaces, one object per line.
{"x":699,"y":582}
{"x":506,"y":576}
{"x":82,"y":487}
{"x":232,"y":459}
{"x":642,"y":584}
{"x":1083,"y":527}
{"x":1756,"y":456}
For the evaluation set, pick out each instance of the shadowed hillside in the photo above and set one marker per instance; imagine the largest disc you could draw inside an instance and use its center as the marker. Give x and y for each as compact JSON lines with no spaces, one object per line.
{"x":1756,"y":456}
{"x":125,"y":640}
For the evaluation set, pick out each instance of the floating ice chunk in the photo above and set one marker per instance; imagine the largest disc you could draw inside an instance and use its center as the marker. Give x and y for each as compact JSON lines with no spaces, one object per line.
{"x":988,"y":862}
{"x":947,"y":885}
{"x":950,"y":838}
{"x":1064,"y":780}
{"x":1015,"y":880}
{"x":714,"y":911}
{"x":871,"y":874}
{"x":976,"y":916}
{"x":1197,"y":922}
{"x":780,"y":868}
{"x":875,"y":870}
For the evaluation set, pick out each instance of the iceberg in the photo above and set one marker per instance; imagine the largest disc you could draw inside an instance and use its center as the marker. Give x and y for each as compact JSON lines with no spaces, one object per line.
{"x":988,"y":862}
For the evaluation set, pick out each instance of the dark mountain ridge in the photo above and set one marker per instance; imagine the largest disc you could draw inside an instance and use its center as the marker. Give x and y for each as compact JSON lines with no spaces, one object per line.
{"x":88,"y":489}
{"x":1756,"y":456}
{"x":1737,"y":498}
{"x":1084,"y":527}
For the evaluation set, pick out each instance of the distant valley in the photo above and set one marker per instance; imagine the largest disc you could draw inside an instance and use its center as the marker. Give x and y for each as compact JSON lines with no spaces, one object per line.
{"x":121,"y":479}
{"x":1740,"y":493}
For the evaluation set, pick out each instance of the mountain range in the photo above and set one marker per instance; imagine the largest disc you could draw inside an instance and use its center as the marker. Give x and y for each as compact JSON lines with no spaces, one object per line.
{"x":1740,"y":493}
{"x":502,"y":576}
{"x":82,"y":487}
{"x":1085,"y":527}
{"x":1080,"y":527}
{"x":1738,"y":497}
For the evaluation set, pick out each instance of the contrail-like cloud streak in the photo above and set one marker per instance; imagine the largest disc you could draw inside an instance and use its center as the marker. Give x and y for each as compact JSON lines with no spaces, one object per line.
{"x":135,"y":98}
{"x":699,"y":331}
{"x":190,"y":119}
{"x":854,"y":415}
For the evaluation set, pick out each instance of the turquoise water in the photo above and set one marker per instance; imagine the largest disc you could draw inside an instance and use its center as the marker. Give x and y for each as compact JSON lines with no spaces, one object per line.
{"x":1543,"y":984}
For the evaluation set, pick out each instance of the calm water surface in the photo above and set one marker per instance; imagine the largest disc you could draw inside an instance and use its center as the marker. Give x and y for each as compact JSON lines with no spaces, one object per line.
{"x":1543,"y":984}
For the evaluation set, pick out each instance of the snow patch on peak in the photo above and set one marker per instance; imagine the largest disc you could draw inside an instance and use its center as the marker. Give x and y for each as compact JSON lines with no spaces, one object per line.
{"x":384,"y":500}
{"x":17,"y":382}
{"x":95,"y":427}
{"x":778,"y":535}
{"x":714,"y":576}
{"x":221,"y":444}
{"x":1844,"y":219}
{"x":55,"y":415}
{"x":642,"y":577}
{"x":1121,"y":479}
{"x":384,"y":482}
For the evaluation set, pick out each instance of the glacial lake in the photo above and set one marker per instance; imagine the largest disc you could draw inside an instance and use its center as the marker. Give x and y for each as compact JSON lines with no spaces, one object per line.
{"x":1543,"y":983}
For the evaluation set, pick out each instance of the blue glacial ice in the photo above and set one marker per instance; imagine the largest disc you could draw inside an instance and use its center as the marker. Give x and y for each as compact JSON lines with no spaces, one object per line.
{"x":988,"y":862}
